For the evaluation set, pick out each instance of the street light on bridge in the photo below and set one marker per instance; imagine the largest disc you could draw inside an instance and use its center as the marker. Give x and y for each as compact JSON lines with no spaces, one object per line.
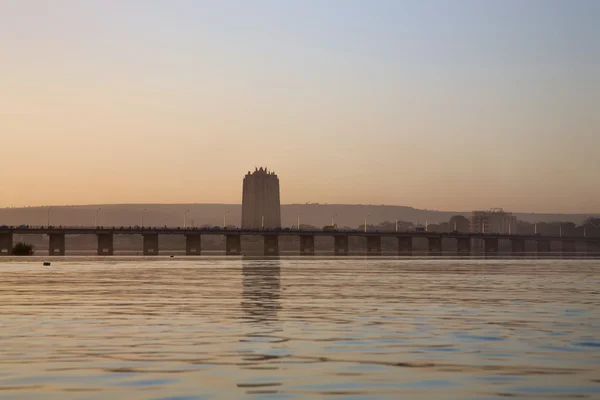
{"x":185,"y":218}
{"x":225,"y":220}
{"x":333,"y":219}
{"x":366,"y":221}
{"x":97,"y":211}
{"x":560,"y":228}
{"x":299,"y":220}
{"x":145,"y":209}
{"x":49,"y":208}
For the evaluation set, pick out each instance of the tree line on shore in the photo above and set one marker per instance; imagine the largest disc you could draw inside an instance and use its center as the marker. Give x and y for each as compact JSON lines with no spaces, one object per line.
{"x":23,"y":249}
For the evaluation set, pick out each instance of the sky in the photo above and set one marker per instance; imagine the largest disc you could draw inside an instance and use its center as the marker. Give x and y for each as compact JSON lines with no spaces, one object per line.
{"x":447,"y":105}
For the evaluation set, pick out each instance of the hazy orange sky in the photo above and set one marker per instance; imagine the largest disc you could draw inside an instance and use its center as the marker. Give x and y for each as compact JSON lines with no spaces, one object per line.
{"x":449,"y":105}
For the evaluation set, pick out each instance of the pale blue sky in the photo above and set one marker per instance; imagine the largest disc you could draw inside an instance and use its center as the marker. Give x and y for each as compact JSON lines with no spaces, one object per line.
{"x":433,"y":104}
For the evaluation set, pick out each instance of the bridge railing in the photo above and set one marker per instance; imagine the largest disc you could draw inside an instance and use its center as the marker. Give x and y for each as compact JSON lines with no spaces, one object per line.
{"x":288,"y":231}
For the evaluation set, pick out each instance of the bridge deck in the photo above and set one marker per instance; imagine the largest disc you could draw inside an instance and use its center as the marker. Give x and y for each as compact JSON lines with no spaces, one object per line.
{"x":78,"y":230}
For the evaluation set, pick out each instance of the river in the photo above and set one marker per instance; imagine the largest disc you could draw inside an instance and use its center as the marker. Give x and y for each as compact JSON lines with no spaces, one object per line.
{"x":134,"y":328}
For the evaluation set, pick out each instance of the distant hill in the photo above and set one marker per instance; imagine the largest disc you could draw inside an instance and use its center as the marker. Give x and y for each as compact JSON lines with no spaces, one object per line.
{"x":212,"y":214}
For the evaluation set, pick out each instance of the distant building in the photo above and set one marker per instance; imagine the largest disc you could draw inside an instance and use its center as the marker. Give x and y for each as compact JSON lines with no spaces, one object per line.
{"x":494,"y":220}
{"x":260,"y":200}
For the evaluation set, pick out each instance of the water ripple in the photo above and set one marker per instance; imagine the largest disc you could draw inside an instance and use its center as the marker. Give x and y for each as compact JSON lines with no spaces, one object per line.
{"x":297,"y":328}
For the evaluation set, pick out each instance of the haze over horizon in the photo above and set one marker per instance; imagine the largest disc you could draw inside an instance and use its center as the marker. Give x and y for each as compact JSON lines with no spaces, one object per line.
{"x":176,"y":204}
{"x":431,"y":104}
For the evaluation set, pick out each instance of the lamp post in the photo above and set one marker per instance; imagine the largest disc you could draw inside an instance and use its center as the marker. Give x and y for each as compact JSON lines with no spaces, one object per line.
{"x":97,"y":212}
{"x":185,"y":218}
{"x":560,"y":229}
{"x":49,"y":208}
{"x":262,"y":222}
{"x":366,"y":221}
{"x":299,"y":220}
{"x":225,"y":220}
{"x":333,"y":219}
{"x":145,"y":209}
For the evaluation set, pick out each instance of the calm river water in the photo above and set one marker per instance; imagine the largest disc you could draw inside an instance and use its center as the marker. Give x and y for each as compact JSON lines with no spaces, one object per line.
{"x":298,"y":328}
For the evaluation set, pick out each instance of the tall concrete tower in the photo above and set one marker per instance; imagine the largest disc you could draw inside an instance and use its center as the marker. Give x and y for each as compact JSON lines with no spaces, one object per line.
{"x":260,"y":200}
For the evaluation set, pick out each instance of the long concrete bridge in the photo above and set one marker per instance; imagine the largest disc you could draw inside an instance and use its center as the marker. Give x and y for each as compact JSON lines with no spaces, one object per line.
{"x":233,"y":242}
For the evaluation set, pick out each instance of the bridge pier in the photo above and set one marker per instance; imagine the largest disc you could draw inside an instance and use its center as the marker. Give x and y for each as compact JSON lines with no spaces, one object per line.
{"x":463,"y":246}
{"x":434,"y":245}
{"x":517,"y":247}
{"x":374,"y":245}
{"x":233,"y":245}
{"x":56,"y":244}
{"x":544,"y":246}
{"x":271,"y":245}
{"x":404,"y":245}
{"x":6,"y":244}
{"x":341,"y":245}
{"x":106,"y":244}
{"x":568,"y":248}
{"x":307,"y":245}
{"x":193,"y":245}
{"x":490,"y":246}
{"x":150,"y":244}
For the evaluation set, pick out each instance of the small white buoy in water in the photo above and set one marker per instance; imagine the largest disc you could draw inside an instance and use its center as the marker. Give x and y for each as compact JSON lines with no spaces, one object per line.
{"x":46,"y":263}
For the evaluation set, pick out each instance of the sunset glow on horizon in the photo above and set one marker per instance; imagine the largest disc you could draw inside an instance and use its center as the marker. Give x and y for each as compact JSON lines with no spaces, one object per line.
{"x":486,"y":104}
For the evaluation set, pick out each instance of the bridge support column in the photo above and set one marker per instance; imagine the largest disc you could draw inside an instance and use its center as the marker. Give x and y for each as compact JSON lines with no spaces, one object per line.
{"x":463,"y":246}
{"x":341,"y":245}
{"x":271,"y":245}
{"x":6,"y":244}
{"x":434,"y":245}
{"x":568,"y":248}
{"x":150,"y":244}
{"x":374,"y":245}
{"x":56,"y":244}
{"x":517,"y":247}
{"x":307,"y":245}
{"x":490,"y":246}
{"x":193,"y":244}
{"x":106,"y":244}
{"x":233,"y":245}
{"x":404,"y":245}
{"x":544,"y":246}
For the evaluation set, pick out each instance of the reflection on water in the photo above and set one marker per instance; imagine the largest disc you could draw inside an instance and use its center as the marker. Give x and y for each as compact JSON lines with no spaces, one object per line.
{"x":199,"y":329}
{"x":262,"y":286}
{"x":260,"y":303}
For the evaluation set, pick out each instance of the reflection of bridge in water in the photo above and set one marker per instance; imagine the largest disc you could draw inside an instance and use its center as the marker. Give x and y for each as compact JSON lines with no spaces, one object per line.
{"x":261,"y":291}
{"x":233,"y":242}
